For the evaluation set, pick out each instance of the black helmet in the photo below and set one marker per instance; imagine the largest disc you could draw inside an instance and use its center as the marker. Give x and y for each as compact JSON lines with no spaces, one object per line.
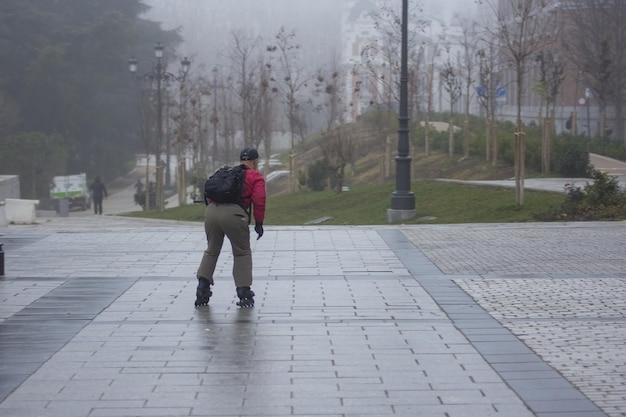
{"x":248,"y":154}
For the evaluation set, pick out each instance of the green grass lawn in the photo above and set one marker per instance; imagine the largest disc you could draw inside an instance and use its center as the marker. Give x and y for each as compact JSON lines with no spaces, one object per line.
{"x":447,"y":203}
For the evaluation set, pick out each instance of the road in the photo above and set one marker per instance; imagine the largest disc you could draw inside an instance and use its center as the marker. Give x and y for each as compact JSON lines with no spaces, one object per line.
{"x":599,"y":162}
{"x":609,"y":165}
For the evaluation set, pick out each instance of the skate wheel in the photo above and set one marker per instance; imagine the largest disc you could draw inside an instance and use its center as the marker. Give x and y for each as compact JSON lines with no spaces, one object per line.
{"x":245,"y":303}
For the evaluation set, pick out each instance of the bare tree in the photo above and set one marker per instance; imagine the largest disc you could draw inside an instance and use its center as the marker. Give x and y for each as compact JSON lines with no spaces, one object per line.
{"x":337,"y":143}
{"x":225,"y":112}
{"x":147,"y":135}
{"x":489,"y":77}
{"x":243,"y":55}
{"x":227,"y":109}
{"x":415,"y":68}
{"x":253,"y":90}
{"x":382,"y":58}
{"x":191,"y":133}
{"x":451,"y":78}
{"x":522,"y":27}
{"x":551,"y":77}
{"x":263,"y":111}
{"x":468,"y":65}
{"x":380,"y":62}
{"x":429,"y":83}
{"x":290,"y":78}
{"x":190,"y":126}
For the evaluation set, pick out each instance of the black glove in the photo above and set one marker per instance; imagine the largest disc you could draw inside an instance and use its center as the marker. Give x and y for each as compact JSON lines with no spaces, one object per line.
{"x":258,"y":228}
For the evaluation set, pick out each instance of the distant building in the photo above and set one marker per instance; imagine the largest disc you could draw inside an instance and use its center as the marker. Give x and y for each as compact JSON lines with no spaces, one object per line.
{"x":372,"y":83}
{"x":576,"y":109}
{"x":358,"y":34}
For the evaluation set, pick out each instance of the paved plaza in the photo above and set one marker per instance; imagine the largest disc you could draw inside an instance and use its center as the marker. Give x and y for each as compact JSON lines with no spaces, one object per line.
{"x":513,"y":320}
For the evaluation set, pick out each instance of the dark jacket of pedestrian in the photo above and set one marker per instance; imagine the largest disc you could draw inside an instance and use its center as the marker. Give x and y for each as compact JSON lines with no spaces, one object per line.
{"x":98,"y":192}
{"x":98,"y":189}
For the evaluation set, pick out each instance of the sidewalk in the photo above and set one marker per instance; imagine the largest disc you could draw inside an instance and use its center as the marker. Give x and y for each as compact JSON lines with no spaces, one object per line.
{"x":601,"y":163}
{"x":512,"y":320}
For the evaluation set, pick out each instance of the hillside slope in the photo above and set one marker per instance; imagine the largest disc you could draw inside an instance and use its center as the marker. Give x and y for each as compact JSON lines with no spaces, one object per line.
{"x":369,"y":170}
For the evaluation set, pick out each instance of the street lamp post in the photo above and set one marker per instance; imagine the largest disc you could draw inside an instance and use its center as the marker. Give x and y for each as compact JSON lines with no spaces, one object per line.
{"x":403,"y":199}
{"x":159,"y":75}
{"x":214,"y":120}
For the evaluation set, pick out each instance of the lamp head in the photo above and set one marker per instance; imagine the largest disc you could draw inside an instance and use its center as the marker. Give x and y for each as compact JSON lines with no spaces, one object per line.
{"x":132,"y":64}
{"x":158,"y":50}
{"x":186,"y":64}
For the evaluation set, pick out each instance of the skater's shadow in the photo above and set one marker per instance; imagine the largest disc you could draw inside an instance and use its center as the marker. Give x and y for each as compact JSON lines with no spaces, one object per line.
{"x":217,"y":314}
{"x":227,"y":334}
{"x":245,"y":315}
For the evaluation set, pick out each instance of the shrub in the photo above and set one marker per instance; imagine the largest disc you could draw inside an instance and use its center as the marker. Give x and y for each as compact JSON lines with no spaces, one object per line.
{"x":140,"y":197}
{"x":318,"y":175}
{"x":570,"y":156}
{"x":302,"y":178}
{"x":604,"y":191}
{"x":600,"y":200}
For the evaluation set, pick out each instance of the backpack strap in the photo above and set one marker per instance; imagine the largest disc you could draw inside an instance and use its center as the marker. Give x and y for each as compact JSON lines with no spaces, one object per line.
{"x":244,"y":168}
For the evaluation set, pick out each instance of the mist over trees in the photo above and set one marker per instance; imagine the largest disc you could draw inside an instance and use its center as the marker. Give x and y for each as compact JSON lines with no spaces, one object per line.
{"x":283,"y":70}
{"x":64,"y":81}
{"x":207,"y":25}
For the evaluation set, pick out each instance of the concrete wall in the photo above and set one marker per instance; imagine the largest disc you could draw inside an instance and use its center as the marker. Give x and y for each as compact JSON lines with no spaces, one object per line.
{"x":9,"y":187}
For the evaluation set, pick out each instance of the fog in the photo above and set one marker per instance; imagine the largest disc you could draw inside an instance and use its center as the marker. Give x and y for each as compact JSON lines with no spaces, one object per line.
{"x":206,"y":26}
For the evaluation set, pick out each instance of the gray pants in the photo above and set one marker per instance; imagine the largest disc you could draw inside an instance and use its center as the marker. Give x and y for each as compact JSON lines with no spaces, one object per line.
{"x":228,"y":220}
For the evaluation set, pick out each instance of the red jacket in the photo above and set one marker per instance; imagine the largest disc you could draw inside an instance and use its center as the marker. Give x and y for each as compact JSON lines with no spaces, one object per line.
{"x":254,"y":193}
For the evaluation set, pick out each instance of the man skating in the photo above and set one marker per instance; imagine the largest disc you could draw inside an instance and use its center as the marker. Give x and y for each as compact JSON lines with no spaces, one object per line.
{"x":232,"y":220}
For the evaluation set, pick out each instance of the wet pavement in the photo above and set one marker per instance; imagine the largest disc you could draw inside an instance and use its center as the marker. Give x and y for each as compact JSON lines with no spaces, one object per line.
{"x":513,"y":320}
{"x":97,"y":319}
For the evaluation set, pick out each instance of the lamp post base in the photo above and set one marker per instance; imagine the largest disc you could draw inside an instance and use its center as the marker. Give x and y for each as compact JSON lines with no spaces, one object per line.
{"x":395,"y":215}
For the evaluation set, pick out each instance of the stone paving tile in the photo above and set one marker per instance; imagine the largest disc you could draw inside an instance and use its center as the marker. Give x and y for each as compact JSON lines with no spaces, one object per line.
{"x":334,"y":360}
{"x":522,"y":249}
{"x":576,"y":325}
{"x":15,"y":295}
{"x":290,"y":252}
{"x":348,"y":321}
{"x":559,"y":288}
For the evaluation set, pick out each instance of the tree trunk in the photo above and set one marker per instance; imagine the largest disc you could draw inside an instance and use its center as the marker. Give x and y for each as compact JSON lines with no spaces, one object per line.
{"x":451,"y":136}
{"x":388,"y":157}
{"x":466,"y":137}
{"x":520,"y":147}
{"x":147,"y":196}
{"x":544,"y":139}
{"x":602,"y":124}
{"x":618,"y":130}
{"x":340,"y":177}
{"x":488,"y":130}
{"x":519,"y":163}
{"x":426,"y":136}
{"x":494,"y":142}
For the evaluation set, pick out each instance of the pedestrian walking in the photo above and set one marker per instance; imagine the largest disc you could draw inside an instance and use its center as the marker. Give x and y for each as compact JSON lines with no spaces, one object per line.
{"x":139,"y":186}
{"x":232,"y":219}
{"x":98,"y":192}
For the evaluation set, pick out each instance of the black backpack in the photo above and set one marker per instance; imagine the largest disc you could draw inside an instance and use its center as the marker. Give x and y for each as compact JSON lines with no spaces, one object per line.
{"x":226,"y":185}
